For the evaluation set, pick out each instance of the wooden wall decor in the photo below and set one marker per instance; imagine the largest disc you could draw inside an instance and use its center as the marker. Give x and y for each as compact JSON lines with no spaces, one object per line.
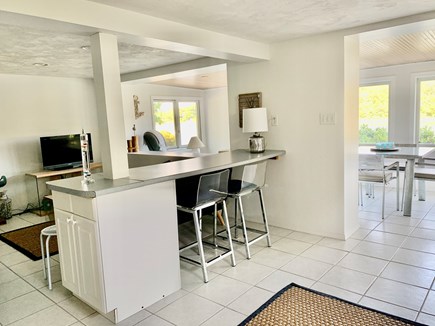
{"x":248,"y":101}
{"x":136,"y":102}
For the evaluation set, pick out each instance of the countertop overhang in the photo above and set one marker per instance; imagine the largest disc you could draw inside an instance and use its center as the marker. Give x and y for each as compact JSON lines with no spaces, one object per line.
{"x":146,"y":175}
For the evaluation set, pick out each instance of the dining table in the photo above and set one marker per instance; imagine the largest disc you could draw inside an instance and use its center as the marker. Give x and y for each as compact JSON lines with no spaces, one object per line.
{"x":411,"y":154}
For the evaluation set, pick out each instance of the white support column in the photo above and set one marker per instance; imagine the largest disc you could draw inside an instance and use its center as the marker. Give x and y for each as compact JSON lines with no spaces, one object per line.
{"x":107,"y":81}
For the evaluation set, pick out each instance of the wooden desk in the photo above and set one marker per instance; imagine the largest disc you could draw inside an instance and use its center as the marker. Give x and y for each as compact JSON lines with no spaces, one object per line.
{"x":58,"y":174}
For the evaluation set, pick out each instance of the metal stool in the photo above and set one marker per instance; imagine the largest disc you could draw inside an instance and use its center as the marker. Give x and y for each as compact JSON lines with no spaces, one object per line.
{"x":245,"y":181}
{"x":49,"y":231}
{"x":211,"y":191}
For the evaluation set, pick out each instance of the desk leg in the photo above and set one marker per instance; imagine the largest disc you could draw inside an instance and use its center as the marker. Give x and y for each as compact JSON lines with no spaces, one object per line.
{"x":421,"y":190}
{"x":409,"y":184}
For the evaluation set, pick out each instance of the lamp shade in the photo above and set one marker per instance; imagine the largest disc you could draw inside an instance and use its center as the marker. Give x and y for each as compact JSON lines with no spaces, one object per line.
{"x":195,"y":143}
{"x":255,"y":120}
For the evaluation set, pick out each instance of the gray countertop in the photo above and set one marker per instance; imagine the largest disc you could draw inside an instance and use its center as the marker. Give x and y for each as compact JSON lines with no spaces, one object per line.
{"x":142,"y":176}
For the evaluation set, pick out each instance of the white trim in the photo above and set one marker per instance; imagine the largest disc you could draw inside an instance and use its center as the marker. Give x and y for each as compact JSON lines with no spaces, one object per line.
{"x":416,"y":78}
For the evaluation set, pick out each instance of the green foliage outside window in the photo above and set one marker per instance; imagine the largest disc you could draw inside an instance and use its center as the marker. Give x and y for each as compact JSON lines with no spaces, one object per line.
{"x":427,"y":112}
{"x":373,"y":113}
{"x":368,"y":135}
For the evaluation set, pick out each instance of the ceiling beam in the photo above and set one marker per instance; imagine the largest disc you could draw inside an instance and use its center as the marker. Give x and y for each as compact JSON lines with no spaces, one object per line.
{"x":135,"y":28}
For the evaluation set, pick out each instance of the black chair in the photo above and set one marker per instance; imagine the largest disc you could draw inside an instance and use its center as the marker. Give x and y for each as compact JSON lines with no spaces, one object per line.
{"x":154,"y":140}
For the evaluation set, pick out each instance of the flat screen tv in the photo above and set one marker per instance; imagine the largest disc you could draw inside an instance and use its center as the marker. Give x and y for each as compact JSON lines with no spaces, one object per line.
{"x":63,"y":152}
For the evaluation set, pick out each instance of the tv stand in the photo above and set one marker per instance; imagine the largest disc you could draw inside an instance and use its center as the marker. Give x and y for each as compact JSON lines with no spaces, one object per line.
{"x":56,"y":174}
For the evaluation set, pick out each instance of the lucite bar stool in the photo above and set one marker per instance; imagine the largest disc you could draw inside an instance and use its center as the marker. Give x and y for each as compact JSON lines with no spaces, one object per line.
{"x":245,"y":181}
{"x":211,"y":191}
{"x":48,"y":232}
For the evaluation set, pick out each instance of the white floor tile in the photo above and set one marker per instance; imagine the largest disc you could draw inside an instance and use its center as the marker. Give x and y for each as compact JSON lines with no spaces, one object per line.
{"x":403,"y":295}
{"x":97,"y":320}
{"x":348,"y":279}
{"x":280,"y":279}
{"x":191,"y":276}
{"x":409,"y":274}
{"x":6,"y":275}
{"x":225,"y":317}
{"x":77,"y":308}
{"x":13,"y":259}
{"x":166,"y":300}
{"x":375,"y":250}
{"x":427,"y":224}
{"x":324,"y":254}
{"x":13,"y":289}
{"x":58,"y":293}
{"x":51,"y":316}
{"x":250,"y":301}
{"x":307,"y":267}
{"x":365,"y":264}
{"x":346,"y":245}
{"x":418,"y":244}
{"x":13,"y":224}
{"x":388,"y":308}
{"x":154,"y":321}
{"x":305,"y":237}
{"x":402,"y":220}
{"x":395,"y":228}
{"x":337,"y":292}
{"x":424,"y":233}
{"x":390,"y":239}
{"x":190,"y":310}
{"x":426,"y":319}
{"x":415,"y":258}
{"x":429,"y":305}
{"x":272,"y":258}
{"x":22,"y":307}
{"x":29,"y":267}
{"x":291,"y":246}
{"x":222,"y":290}
{"x":249,"y":272}
{"x":5,"y":249}
{"x":368,"y":224}
{"x":360,"y":234}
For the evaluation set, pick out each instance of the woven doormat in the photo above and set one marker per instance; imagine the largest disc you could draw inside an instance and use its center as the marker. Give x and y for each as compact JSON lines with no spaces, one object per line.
{"x":296,"y":305}
{"x":26,"y":240}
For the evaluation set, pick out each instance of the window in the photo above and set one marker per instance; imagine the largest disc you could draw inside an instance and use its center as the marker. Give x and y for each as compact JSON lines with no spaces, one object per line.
{"x":426,"y":107}
{"x":176,"y":120}
{"x":374,"y":103}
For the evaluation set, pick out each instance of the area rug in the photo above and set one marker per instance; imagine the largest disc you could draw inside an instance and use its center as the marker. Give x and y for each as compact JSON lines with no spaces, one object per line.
{"x":26,"y":240}
{"x":296,"y":305}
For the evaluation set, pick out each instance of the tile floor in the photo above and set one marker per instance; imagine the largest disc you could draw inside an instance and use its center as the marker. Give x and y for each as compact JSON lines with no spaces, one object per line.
{"x":388,"y":265}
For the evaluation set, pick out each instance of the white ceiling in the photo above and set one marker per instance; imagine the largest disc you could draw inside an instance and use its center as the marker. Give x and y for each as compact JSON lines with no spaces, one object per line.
{"x":22,"y":45}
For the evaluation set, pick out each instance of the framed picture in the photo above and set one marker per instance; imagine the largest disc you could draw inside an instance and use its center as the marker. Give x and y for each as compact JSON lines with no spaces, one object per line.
{"x":248,"y":101}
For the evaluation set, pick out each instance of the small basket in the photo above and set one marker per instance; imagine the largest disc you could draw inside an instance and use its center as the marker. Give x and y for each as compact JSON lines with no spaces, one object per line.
{"x":5,"y":208}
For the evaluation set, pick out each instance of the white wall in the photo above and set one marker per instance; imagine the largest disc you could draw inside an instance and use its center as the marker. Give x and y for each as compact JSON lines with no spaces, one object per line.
{"x":32,"y":107}
{"x":213,"y":105}
{"x":216,"y":119}
{"x":402,"y":93}
{"x":304,"y":78}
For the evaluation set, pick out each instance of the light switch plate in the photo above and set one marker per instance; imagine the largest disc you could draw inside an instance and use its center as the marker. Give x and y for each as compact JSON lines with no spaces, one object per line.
{"x":327,"y":118}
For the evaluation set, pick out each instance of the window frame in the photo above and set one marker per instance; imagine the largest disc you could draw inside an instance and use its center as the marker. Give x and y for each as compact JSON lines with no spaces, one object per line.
{"x":177,"y":128}
{"x":391,"y":85}
{"x":417,"y":81}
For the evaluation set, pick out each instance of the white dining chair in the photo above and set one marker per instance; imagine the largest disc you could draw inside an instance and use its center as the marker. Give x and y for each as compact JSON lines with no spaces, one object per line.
{"x":372,"y":170}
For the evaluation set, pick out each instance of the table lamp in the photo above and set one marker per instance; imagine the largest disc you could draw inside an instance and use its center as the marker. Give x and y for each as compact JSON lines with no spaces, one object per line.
{"x":255,"y":120}
{"x":195,"y":144}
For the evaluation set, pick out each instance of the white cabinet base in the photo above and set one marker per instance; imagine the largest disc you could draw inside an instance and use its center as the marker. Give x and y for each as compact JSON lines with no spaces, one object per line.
{"x":136,"y":249}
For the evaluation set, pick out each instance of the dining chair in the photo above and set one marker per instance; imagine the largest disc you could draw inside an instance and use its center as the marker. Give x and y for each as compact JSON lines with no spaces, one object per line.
{"x":372,"y":170}
{"x":244,"y":181}
{"x":211,"y":192}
